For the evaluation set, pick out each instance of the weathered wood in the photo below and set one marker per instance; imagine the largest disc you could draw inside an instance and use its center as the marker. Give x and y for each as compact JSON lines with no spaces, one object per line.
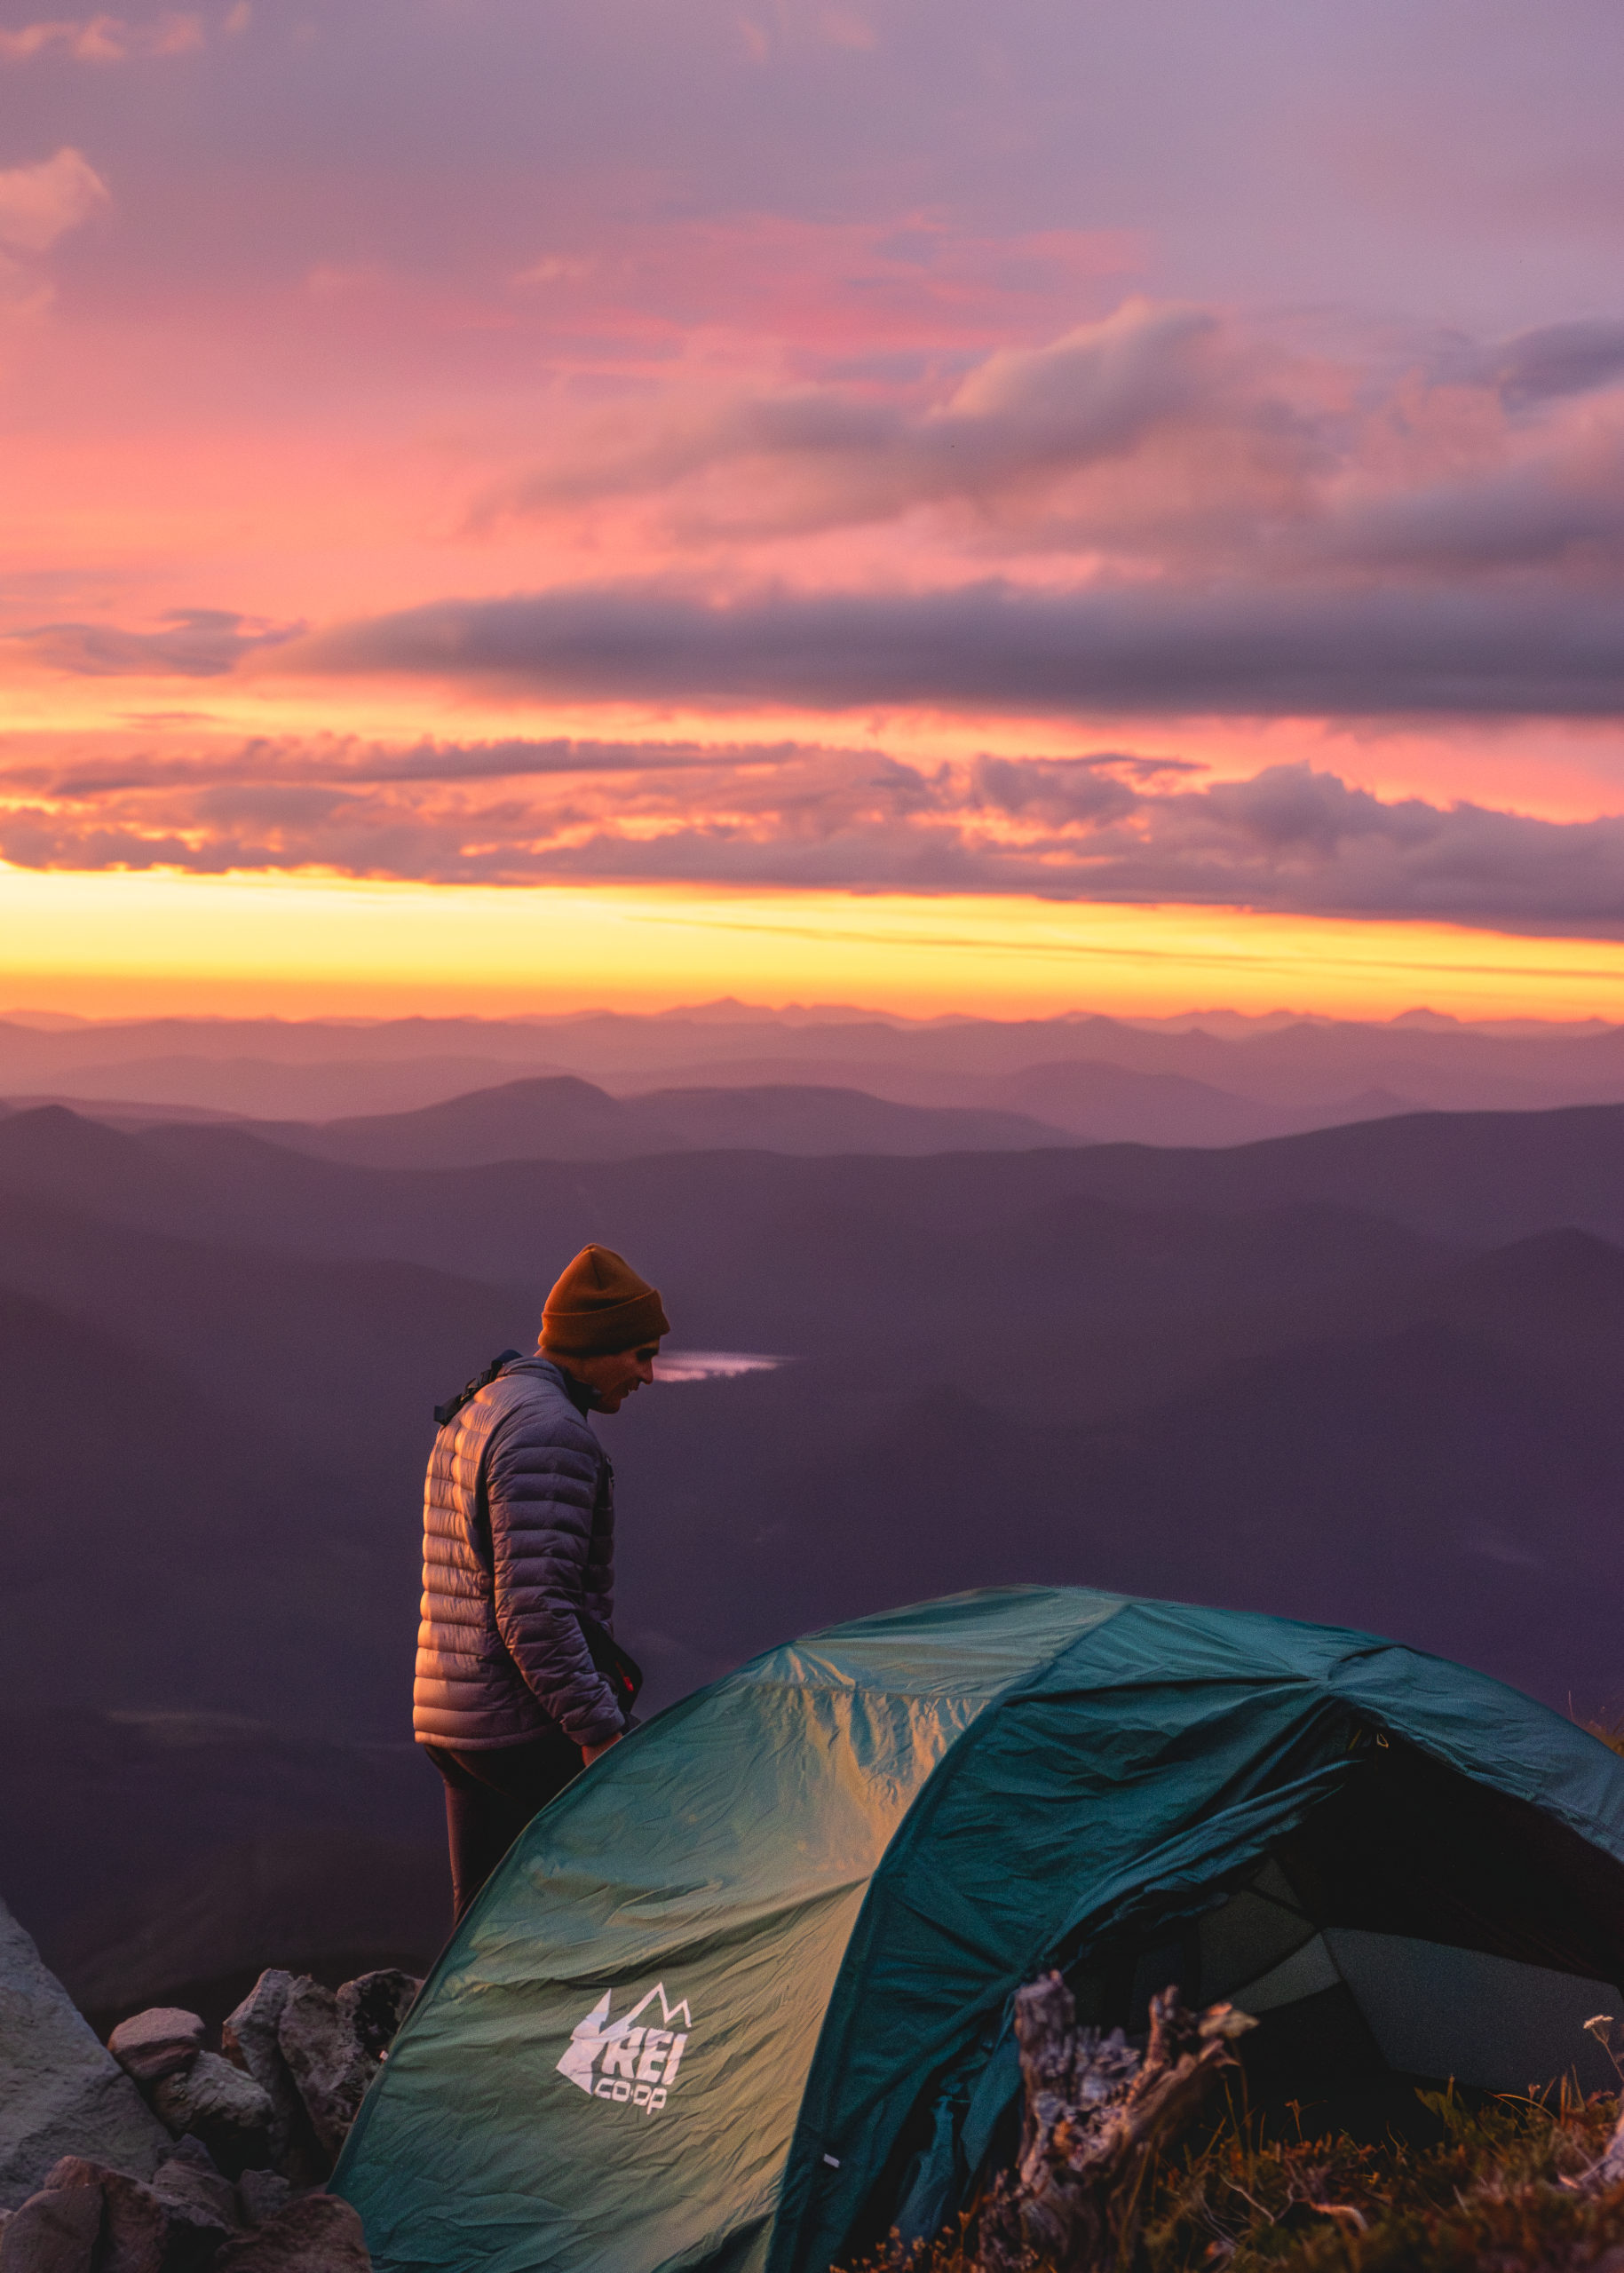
{"x":1095,"y":2113}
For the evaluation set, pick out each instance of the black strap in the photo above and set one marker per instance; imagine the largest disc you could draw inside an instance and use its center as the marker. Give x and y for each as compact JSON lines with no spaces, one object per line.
{"x":453,"y":1405}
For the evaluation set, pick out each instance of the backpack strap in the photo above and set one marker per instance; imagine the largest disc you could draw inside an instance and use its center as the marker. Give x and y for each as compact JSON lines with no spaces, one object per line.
{"x":453,"y":1405}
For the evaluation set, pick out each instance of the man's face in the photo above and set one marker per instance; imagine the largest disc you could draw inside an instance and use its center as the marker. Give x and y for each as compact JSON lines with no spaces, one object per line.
{"x":615,"y":1377}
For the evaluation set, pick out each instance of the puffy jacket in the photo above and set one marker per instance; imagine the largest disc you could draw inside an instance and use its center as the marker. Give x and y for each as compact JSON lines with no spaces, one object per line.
{"x":517,"y":1540}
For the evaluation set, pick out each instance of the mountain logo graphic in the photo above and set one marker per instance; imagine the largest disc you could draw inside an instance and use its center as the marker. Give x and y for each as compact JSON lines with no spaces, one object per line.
{"x":629,"y":2061}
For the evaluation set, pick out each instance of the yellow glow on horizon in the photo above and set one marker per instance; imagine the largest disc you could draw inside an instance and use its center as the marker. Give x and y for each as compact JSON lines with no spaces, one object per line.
{"x":136,"y":944}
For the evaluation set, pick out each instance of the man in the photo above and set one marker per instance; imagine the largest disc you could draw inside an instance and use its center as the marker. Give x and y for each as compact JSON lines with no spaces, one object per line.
{"x":518,"y":1550}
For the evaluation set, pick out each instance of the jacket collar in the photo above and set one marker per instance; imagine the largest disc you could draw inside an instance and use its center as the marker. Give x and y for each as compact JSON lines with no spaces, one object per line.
{"x":580,"y":1394}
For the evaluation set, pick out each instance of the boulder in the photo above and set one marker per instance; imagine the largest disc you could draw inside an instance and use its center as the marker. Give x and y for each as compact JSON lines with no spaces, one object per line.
{"x":261,"y":2194}
{"x":61,"y":2091}
{"x":159,"y":2042}
{"x":248,"y":2036}
{"x":316,"y":2234}
{"x":374,"y":2005}
{"x":327,"y":2064}
{"x":52,"y":2233}
{"x":203,"y":2205}
{"x":249,"y":2040}
{"x":135,"y":2226}
{"x":187,"y":2148}
{"x":224,"y":2109}
{"x":174,"y":2225}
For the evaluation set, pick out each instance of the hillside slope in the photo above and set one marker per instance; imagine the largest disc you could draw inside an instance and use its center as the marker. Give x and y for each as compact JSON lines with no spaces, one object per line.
{"x":1233,"y":1377}
{"x":562,"y":1119}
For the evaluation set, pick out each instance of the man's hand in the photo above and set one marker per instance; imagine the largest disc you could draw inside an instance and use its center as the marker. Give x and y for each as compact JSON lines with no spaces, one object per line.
{"x":592,"y":1752}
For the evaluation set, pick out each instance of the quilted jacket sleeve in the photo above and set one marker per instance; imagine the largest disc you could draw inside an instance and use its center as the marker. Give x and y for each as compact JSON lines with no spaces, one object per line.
{"x":548,"y":1557}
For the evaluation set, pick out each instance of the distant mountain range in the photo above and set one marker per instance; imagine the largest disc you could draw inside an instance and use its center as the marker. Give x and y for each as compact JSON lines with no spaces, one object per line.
{"x":1211,"y":1079}
{"x":558,"y":1118}
{"x":1368,"y":1374}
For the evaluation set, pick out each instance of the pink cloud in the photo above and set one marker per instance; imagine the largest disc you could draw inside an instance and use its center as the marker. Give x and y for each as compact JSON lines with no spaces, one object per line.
{"x":103,"y":39}
{"x":932,"y":367}
{"x":1114,"y":826}
{"x":1158,"y":439}
{"x":190,"y":643}
{"x":816,"y":290}
{"x":1028,"y":440}
{"x":40,"y":204}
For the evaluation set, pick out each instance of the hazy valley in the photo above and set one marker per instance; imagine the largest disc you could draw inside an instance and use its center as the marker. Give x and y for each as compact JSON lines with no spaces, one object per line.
{"x":1366,"y":1374}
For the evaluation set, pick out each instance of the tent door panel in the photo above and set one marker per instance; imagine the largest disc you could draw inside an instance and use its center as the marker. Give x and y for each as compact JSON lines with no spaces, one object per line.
{"x":1303,"y":1974}
{"x":1441,"y":2011}
{"x":1249,"y":1936}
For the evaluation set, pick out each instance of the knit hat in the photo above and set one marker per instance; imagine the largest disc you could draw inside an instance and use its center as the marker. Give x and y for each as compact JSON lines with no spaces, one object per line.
{"x":600,"y":1306}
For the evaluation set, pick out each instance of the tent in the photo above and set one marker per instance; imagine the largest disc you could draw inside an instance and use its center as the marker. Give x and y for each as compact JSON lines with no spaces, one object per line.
{"x":740,"y":1999}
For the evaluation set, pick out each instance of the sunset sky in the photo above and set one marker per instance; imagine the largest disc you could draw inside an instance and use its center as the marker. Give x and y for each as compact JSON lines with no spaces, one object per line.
{"x":529,"y":502}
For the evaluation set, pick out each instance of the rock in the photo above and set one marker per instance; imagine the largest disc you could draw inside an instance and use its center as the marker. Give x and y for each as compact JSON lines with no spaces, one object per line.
{"x":189,"y":2149}
{"x":156,"y":2043}
{"x":316,"y":2234}
{"x":249,"y":2037}
{"x":52,"y":2233}
{"x":174,"y":2225}
{"x":198,"y":2198}
{"x":249,"y":2040}
{"x":374,"y":2005}
{"x":61,"y":2091}
{"x":135,"y":2225}
{"x":261,"y":2194}
{"x":221,"y":2106}
{"x":325,"y":2061}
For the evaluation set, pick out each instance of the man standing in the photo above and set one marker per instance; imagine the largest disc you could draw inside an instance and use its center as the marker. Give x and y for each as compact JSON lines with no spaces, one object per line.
{"x":518,"y":1566}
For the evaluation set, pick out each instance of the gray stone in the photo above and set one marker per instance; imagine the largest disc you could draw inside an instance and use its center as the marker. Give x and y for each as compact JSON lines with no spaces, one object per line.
{"x":261,"y":2194}
{"x":61,"y":2091}
{"x":221,"y":2106}
{"x":135,"y":2227}
{"x":374,"y":2005}
{"x":332,"y":2072}
{"x":249,"y":2037}
{"x":197,"y":2197}
{"x":156,"y":2043}
{"x":52,"y":2233}
{"x":174,"y":2225}
{"x":190,"y":2150}
{"x":316,"y":2234}
{"x":249,"y":2040}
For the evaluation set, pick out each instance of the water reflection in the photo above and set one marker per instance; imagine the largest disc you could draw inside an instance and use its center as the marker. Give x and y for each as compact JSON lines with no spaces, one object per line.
{"x":711,"y":1364}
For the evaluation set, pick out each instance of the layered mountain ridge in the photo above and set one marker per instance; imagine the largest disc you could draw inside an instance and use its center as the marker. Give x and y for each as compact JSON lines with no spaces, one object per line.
{"x":1364,"y":1375}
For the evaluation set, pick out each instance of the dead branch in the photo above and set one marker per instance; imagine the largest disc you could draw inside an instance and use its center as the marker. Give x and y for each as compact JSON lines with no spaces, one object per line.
{"x":1095,"y":2114}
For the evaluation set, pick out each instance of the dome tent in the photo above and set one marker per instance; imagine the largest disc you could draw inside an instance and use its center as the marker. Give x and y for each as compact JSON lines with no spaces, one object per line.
{"x":740,"y":1997}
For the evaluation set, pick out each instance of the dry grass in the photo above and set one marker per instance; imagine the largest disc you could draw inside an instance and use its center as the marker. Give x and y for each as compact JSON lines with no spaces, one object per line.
{"x":1488,"y":2197}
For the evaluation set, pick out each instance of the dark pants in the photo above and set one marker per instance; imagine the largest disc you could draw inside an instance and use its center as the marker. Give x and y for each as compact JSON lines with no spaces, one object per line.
{"x":490,"y":1796}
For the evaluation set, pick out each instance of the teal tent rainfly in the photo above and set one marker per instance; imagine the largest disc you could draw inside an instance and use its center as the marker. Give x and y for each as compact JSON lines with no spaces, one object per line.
{"x":740,"y":1999}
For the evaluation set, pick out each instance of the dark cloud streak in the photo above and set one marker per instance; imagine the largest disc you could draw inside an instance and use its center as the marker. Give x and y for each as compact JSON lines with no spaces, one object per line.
{"x":1144,"y":650}
{"x":1559,"y":360}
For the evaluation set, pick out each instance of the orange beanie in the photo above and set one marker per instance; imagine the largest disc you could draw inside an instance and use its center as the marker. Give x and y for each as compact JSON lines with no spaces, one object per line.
{"x":600,"y":1306}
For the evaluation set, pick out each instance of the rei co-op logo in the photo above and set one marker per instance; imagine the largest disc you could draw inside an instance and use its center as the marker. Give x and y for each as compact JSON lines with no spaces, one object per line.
{"x":628,"y":2059}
